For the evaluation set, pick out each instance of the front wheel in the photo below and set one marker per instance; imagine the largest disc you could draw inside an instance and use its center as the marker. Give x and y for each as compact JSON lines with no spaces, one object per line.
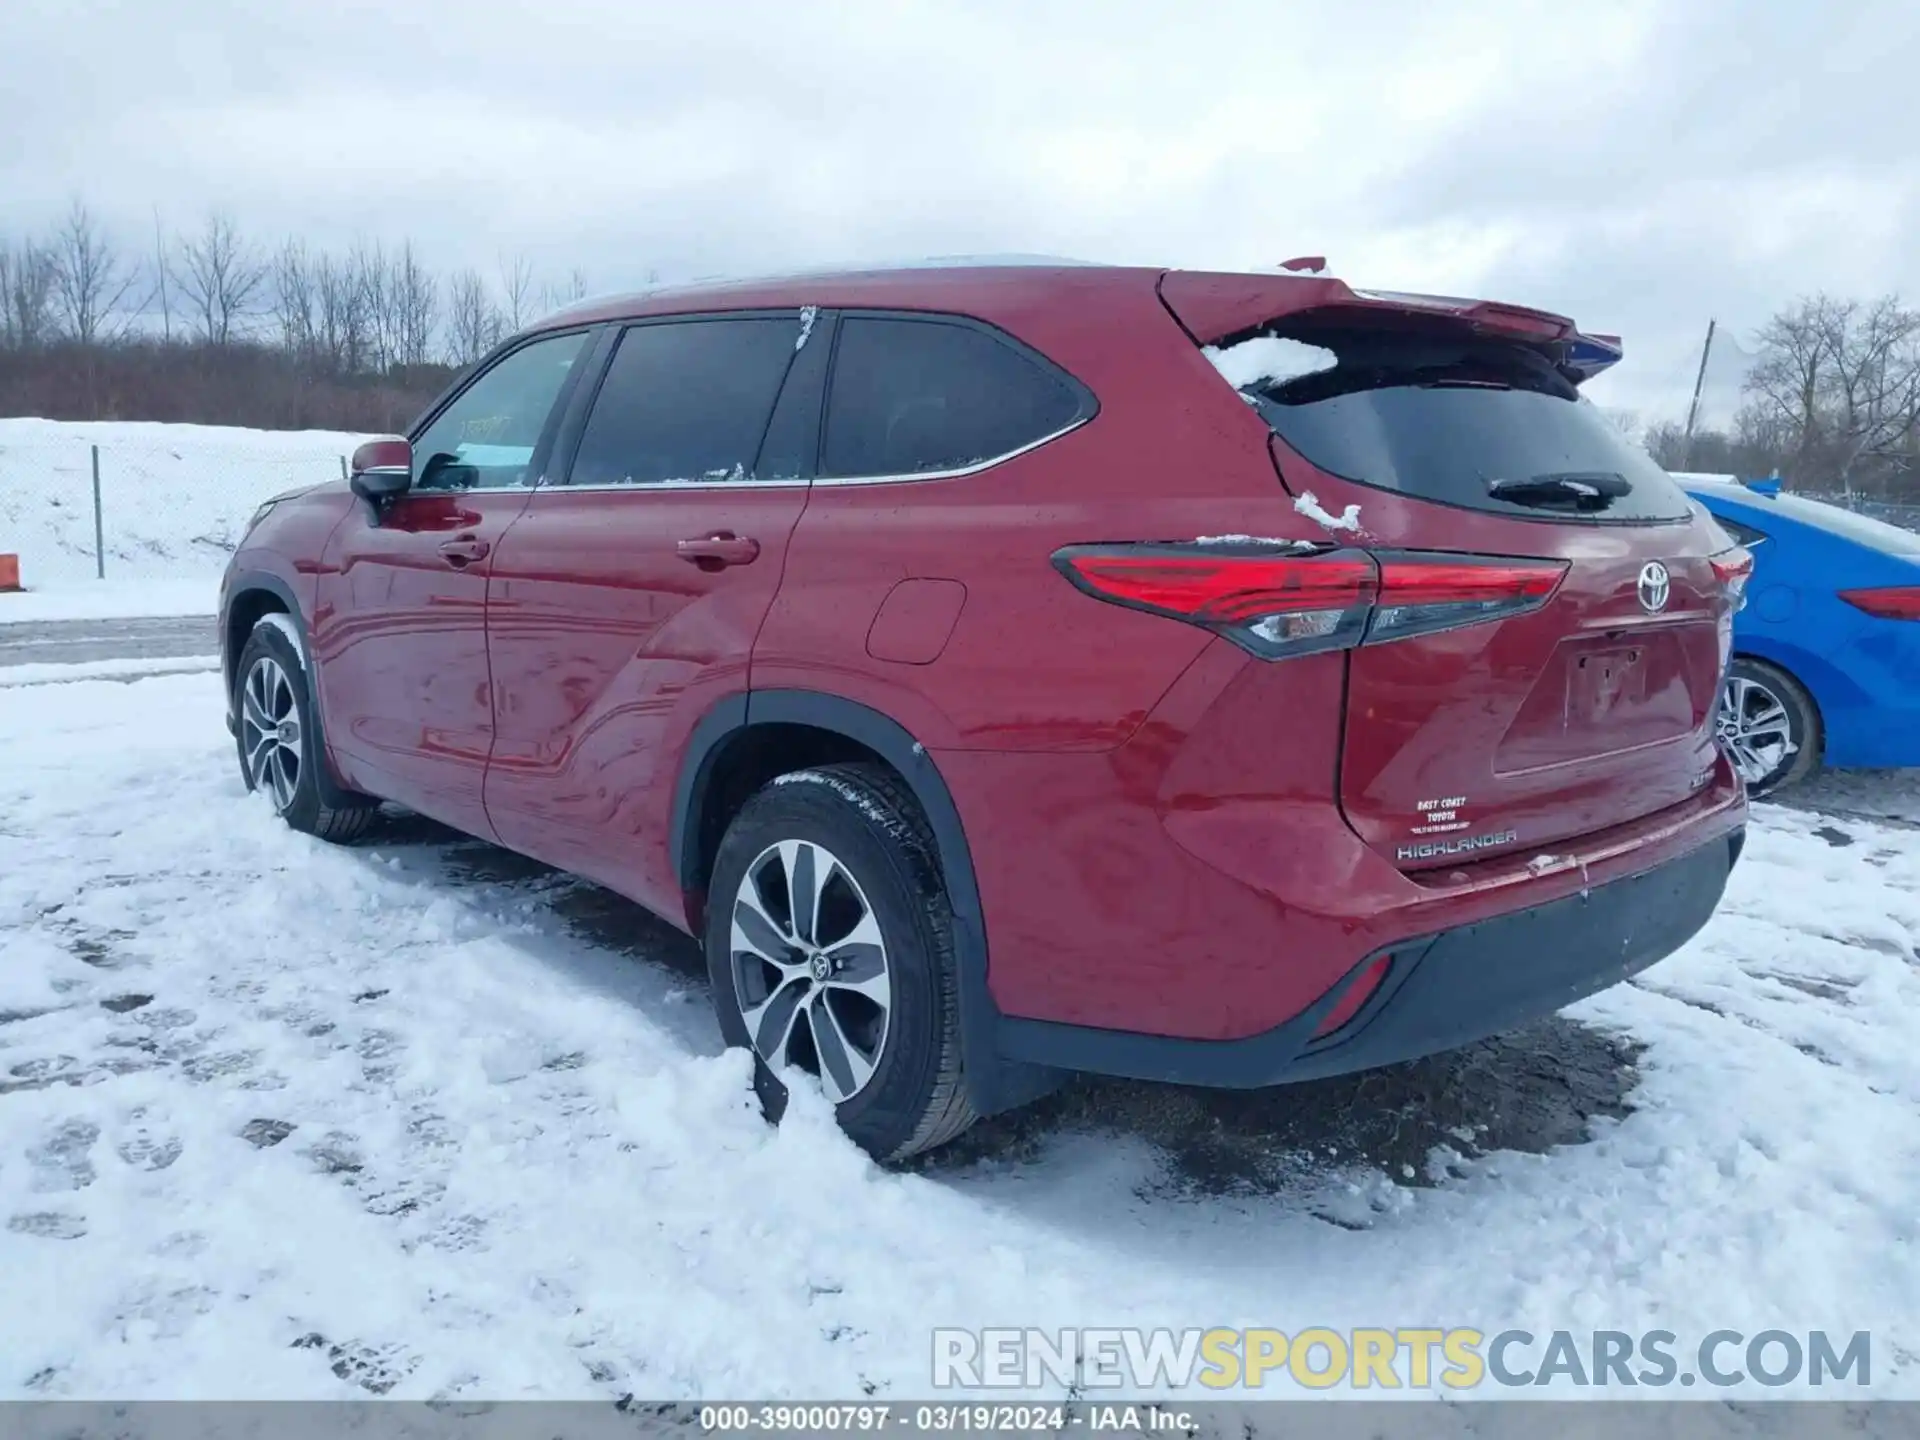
{"x":1769,"y":726}
{"x":280,"y":752}
{"x":829,"y":944}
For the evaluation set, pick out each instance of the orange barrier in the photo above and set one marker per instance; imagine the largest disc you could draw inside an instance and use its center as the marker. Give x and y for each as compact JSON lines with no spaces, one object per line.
{"x":9,"y":572}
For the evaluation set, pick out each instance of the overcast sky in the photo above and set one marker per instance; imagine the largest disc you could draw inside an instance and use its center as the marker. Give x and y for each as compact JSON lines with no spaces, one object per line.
{"x":1640,"y":165}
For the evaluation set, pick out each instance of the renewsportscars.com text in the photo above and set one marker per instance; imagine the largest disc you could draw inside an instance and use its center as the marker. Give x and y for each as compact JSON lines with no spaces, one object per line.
{"x":1398,"y":1358}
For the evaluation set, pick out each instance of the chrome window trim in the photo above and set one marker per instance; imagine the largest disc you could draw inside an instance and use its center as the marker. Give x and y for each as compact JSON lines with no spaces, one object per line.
{"x":649,"y":486}
{"x":467,"y":489}
{"x":834,"y":481}
{"x":963,"y":470}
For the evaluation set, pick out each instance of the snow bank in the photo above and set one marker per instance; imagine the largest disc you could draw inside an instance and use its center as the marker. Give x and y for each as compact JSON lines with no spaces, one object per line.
{"x":68,"y":597}
{"x":174,"y":498}
{"x":1269,"y":359}
{"x":75,"y":672}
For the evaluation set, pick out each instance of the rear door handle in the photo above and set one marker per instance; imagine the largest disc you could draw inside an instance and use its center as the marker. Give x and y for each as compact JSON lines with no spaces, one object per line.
{"x":464,"y":550}
{"x":717,"y":551}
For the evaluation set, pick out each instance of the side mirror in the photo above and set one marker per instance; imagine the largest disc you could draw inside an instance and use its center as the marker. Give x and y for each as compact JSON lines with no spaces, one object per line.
{"x":382,"y":470}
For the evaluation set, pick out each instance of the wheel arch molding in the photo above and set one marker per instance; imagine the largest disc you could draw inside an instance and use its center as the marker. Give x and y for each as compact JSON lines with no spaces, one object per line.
{"x":256,"y":582}
{"x":242,"y":585}
{"x":994,"y":1083}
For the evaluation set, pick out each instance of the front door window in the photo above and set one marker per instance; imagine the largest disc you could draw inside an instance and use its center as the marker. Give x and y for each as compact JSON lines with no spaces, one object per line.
{"x":485,"y":440}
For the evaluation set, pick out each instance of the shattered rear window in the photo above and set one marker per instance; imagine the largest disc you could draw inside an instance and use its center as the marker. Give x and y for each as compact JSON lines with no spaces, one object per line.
{"x":1462,"y":420}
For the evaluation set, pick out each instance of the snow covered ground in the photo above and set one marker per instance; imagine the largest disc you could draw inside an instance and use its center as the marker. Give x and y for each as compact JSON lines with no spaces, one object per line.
{"x":422,"y":1119}
{"x":174,"y":499}
{"x":69,"y":598}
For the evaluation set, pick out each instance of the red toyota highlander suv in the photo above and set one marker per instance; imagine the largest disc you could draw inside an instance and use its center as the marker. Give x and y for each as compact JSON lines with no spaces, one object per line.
{"x":1012,"y":671}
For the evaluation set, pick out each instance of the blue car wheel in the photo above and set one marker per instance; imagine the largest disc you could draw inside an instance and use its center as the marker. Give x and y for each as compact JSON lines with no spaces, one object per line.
{"x":1769,"y":726}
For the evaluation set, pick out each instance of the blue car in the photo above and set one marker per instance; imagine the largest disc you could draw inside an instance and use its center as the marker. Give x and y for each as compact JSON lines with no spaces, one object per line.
{"x":1826,"y":664}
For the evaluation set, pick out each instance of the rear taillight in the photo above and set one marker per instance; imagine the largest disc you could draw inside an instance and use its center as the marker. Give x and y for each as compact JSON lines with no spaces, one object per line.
{"x":1420,"y":594}
{"x":1733,"y":568}
{"x":1891,"y":602}
{"x":1269,"y":602}
{"x":1275,"y":603}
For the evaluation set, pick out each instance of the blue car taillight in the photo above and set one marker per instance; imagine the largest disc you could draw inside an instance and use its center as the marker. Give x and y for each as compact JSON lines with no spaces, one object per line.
{"x":1889,"y":602}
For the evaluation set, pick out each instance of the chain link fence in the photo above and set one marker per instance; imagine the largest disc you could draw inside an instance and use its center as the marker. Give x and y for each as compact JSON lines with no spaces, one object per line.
{"x":126,"y":503}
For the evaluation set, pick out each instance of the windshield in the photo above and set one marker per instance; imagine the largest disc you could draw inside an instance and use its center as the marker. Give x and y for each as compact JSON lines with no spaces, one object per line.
{"x":1466,"y":421}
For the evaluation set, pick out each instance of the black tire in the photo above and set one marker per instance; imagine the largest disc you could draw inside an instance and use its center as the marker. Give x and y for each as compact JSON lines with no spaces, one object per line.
{"x":1754,"y":684}
{"x":304,"y":803}
{"x":866,"y":819}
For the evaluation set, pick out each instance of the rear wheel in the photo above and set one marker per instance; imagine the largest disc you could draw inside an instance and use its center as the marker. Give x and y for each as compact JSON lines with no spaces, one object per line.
{"x":280,"y":753}
{"x":829,"y":944}
{"x":1769,"y":726}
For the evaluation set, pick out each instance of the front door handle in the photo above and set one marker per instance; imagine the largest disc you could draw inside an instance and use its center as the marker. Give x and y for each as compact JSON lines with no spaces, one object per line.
{"x":464,"y":550}
{"x":717,"y":551}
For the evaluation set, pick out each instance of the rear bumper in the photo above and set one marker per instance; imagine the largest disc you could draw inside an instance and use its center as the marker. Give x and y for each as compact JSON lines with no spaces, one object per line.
{"x":1440,"y":991}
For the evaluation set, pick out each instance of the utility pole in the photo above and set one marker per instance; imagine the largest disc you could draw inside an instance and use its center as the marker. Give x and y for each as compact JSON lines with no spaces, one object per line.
{"x":160,"y":270}
{"x":1693,"y":410}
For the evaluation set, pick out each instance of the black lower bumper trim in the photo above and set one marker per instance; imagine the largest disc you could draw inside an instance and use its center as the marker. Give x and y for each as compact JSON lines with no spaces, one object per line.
{"x":1442,"y":991}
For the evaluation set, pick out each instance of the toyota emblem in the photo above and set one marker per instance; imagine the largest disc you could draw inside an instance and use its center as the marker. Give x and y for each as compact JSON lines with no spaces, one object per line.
{"x":1655,"y":586}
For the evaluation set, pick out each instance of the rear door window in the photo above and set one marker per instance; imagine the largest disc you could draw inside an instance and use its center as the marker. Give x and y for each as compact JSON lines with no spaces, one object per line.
{"x":1466,"y":421}
{"x":1745,"y":534}
{"x":685,"y":402}
{"x":915,"y":396}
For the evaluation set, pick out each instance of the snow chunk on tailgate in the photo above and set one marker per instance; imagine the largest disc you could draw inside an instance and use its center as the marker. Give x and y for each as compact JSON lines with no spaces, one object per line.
{"x":1309,"y":505}
{"x":1271,"y":541}
{"x":1269,"y":358}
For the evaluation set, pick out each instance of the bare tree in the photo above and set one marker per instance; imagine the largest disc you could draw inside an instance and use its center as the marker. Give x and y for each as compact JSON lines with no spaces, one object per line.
{"x":295,"y":300}
{"x":568,"y":292}
{"x":26,"y":295}
{"x":1788,"y":382}
{"x":343,"y":322}
{"x":1875,"y":368}
{"x":286,"y":333}
{"x":219,"y":277}
{"x":1667,"y":443}
{"x":1837,"y":388}
{"x":90,"y":279}
{"x":474,"y":323}
{"x":516,"y":284}
{"x":373,"y":273}
{"x":416,"y":307}
{"x":1627,"y":422}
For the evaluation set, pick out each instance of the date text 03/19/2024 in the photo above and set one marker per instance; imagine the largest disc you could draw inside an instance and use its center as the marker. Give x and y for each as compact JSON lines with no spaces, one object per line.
{"x":941,"y":1418}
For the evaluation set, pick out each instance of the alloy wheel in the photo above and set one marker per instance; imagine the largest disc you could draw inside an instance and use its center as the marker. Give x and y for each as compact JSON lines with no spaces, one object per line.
{"x":1756,"y":729}
{"x":270,"y":736}
{"x":810,"y":967}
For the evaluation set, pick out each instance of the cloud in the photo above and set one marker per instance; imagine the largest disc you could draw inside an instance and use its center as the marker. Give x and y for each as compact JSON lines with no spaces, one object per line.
{"x":1638,"y":165}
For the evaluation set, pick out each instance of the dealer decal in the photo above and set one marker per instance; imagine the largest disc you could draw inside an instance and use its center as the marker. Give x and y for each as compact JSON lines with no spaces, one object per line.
{"x":1447,"y":815}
